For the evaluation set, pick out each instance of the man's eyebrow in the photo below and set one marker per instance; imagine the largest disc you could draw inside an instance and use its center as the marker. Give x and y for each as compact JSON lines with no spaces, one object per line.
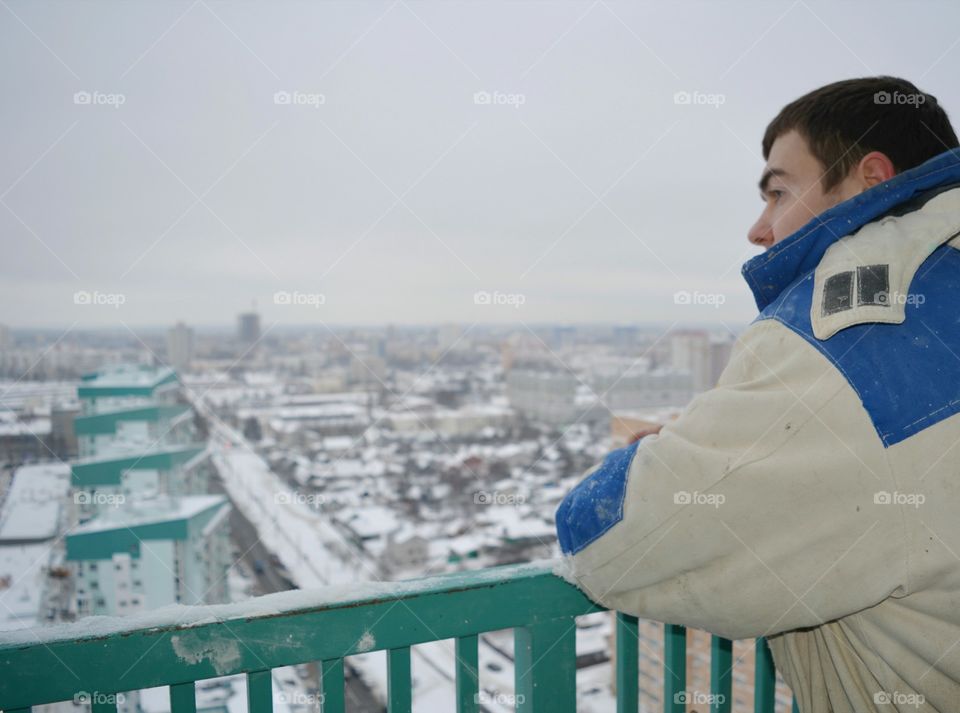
{"x":767,"y":175}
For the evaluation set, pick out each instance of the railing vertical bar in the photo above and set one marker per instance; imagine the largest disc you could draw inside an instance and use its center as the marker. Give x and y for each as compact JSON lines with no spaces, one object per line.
{"x":331,"y":686}
{"x":628,"y":663}
{"x":721,"y":675}
{"x":398,"y":680}
{"x":764,"y":679}
{"x":468,"y":675}
{"x":259,"y":692}
{"x":675,"y":668}
{"x":183,"y":698}
{"x":545,"y":666}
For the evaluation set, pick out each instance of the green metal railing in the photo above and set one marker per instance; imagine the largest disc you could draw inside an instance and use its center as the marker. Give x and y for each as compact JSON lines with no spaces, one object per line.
{"x":183,"y":645}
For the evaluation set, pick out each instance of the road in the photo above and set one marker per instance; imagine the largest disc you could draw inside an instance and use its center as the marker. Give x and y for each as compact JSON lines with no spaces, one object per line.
{"x":246,"y":541}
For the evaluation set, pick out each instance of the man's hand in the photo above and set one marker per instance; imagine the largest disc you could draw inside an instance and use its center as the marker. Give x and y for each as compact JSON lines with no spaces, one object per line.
{"x":646,"y":432}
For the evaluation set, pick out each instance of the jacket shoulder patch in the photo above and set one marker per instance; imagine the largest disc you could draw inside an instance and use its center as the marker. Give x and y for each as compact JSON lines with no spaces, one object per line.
{"x":837,"y":293}
{"x":906,"y":374}
{"x":873,"y":285}
{"x":867,"y":276}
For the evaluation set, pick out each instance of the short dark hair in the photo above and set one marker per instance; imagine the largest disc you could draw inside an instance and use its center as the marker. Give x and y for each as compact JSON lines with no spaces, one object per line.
{"x":844,"y":121}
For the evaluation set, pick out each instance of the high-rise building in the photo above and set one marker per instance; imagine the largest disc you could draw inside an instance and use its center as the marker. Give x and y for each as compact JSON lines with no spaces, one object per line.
{"x":248,"y":331}
{"x":626,"y":337}
{"x":563,"y":336}
{"x":145,"y":533}
{"x":641,"y":389}
{"x":180,"y":346}
{"x":543,"y":395}
{"x":149,"y":553}
{"x":690,"y":352}
{"x":448,"y":336}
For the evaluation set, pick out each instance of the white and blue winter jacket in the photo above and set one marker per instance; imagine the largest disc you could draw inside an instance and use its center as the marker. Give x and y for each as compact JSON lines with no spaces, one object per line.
{"x":813,"y":495}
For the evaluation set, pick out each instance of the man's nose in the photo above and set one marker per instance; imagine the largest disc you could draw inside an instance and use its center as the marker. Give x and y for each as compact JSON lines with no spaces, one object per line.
{"x":761,"y":233}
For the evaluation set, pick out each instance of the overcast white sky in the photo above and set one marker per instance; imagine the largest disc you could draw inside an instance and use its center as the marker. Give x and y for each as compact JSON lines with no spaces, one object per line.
{"x":582,"y":185}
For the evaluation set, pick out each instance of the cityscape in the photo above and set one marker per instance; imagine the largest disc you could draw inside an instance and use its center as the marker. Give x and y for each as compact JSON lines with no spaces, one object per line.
{"x":191,"y":466}
{"x":421,"y":356}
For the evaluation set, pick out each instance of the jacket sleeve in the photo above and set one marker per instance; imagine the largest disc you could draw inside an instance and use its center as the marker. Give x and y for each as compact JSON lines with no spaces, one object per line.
{"x":759,"y":510}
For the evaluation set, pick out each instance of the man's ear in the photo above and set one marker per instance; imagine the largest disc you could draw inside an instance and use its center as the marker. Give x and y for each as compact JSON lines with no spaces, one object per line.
{"x":876,"y":167}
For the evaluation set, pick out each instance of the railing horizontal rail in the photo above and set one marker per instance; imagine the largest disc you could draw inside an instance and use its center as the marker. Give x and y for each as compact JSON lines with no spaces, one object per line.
{"x":180,"y":645}
{"x":183,"y":644}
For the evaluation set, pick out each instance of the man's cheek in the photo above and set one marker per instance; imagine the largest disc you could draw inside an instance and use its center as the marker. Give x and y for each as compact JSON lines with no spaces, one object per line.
{"x":790,"y":219}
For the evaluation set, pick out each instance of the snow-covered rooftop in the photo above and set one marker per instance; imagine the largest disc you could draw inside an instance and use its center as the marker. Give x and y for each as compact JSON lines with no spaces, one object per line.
{"x":145,"y":512}
{"x":128,"y":375}
{"x":32,"y":508}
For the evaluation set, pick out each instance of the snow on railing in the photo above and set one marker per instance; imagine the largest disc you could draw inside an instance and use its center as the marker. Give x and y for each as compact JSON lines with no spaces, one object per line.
{"x":179,"y":645}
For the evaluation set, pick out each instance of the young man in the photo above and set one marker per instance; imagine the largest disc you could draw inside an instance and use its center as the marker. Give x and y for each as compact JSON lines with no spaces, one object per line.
{"x":813,"y":495}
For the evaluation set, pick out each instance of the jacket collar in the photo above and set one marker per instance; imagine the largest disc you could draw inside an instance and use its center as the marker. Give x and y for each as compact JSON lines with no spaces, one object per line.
{"x":799,"y":253}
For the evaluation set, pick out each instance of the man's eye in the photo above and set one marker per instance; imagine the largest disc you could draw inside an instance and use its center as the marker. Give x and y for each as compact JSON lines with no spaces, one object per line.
{"x":775,"y":194}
